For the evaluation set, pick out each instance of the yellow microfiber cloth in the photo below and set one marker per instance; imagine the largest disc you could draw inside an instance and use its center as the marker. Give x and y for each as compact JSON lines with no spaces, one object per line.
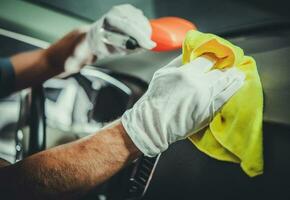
{"x":235,"y":133}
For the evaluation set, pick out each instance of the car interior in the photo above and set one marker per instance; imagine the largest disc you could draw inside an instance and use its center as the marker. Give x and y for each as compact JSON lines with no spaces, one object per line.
{"x":260,"y":28}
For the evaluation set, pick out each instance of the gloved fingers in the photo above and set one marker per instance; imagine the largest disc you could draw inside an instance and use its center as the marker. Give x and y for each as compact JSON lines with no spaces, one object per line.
{"x":82,"y":51}
{"x":216,"y":74}
{"x":225,"y":95}
{"x":82,"y":55}
{"x":95,"y":43}
{"x":170,"y":67}
{"x":220,"y":80}
{"x":198,"y":65}
{"x":176,"y":62}
{"x":132,"y":14}
{"x":130,"y":29}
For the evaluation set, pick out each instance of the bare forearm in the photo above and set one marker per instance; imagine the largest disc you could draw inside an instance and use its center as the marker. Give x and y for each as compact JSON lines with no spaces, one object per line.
{"x":34,"y":67}
{"x":31,"y":68}
{"x":70,"y":170}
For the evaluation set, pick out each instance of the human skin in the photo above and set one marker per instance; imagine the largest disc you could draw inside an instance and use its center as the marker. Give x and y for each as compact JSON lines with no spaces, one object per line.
{"x":68,"y":171}
{"x":34,"y":67}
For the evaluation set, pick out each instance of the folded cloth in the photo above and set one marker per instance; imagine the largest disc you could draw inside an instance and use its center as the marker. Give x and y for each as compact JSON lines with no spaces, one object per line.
{"x":235,"y":133}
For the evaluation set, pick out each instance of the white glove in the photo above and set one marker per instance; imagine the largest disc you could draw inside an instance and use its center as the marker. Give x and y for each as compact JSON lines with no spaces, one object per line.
{"x":180,"y":101}
{"x":81,"y":56}
{"x":123,"y":19}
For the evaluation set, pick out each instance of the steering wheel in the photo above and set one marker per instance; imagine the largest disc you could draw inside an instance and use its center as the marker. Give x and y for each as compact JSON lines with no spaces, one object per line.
{"x":31,"y":113}
{"x":143,"y":168}
{"x":37,"y":125}
{"x":37,"y":120}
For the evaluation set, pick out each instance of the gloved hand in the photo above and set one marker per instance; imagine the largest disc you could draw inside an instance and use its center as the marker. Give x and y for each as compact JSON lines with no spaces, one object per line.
{"x":124,"y":19}
{"x":179,"y":102}
{"x":70,"y":53}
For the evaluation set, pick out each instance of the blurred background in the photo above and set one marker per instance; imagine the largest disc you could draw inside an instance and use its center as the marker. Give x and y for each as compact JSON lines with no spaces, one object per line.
{"x":260,"y":27}
{"x":47,"y":17}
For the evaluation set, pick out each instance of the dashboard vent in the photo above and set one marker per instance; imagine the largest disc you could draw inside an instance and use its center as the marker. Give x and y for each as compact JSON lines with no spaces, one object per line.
{"x":141,"y":177}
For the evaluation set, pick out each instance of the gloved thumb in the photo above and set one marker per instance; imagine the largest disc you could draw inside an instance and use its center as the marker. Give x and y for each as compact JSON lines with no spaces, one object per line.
{"x":231,"y":88}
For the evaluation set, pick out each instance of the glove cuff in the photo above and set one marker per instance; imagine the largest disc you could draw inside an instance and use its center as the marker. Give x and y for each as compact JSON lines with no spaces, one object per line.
{"x":138,"y":135}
